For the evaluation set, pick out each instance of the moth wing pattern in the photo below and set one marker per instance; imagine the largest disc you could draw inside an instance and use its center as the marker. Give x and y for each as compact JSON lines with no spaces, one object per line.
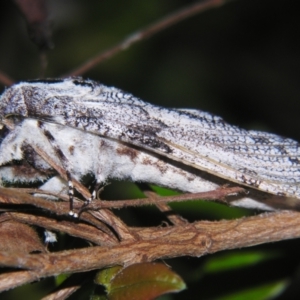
{"x":260,"y":160}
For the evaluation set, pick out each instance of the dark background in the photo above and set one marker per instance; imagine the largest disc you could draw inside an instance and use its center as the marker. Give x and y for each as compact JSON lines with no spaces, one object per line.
{"x":240,"y":61}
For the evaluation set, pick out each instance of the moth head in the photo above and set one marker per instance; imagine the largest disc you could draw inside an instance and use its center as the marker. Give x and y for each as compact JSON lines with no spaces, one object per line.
{"x":12,"y":105}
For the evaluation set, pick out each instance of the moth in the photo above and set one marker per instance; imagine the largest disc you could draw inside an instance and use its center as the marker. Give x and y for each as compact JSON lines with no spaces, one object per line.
{"x":89,"y":128}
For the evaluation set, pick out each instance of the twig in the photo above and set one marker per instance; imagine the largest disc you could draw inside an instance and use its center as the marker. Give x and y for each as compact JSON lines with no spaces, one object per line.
{"x":5,"y":79}
{"x":195,"y":239}
{"x":101,"y":206}
{"x":60,"y":208}
{"x":163,"y":207}
{"x":215,"y":195}
{"x":145,"y":33}
{"x":81,"y":230}
{"x":68,"y":287}
{"x":14,"y":196}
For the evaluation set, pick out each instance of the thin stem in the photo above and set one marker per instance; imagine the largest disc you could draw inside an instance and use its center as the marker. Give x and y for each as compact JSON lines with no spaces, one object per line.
{"x":215,"y":195}
{"x":5,"y":79}
{"x":147,"y":32}
{"x":171,"y":215}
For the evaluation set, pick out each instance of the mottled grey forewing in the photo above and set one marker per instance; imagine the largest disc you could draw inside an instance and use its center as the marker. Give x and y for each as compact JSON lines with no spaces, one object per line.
{"x":257,"y":159}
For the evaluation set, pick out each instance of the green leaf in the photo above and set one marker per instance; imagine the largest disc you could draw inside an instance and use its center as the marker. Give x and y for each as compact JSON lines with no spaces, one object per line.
{"x":234,"y":260}
{"x":164,"y":191}
{"x":263,"y":292}
{"x":144,"y":281}
{"x":104,"y":277}
{"x":59,"y":279}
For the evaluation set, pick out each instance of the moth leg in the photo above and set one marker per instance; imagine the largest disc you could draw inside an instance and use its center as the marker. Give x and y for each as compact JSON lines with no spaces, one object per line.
{"x":97,"y":187}
{"x":97,"y":190}
{"x":65,"y":163}
{"x":94,"y":194}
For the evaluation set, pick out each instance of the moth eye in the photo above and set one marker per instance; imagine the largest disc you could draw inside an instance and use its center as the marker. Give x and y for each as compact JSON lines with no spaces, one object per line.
{"x":3,"y":132}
